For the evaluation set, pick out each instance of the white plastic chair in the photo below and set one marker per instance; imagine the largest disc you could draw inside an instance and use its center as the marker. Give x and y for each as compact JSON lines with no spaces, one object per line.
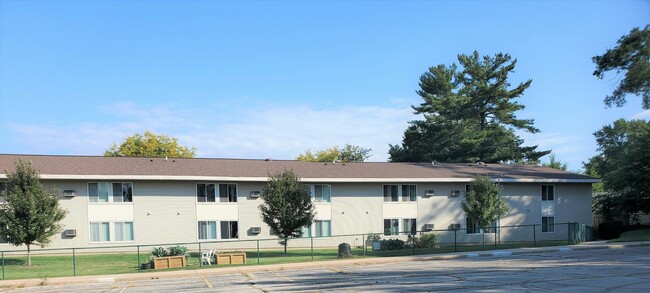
{"x":206,"y":257}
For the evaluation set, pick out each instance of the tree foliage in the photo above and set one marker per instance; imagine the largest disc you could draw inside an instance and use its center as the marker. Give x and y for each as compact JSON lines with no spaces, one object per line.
{"x":630,"y":57}
{"x":624,"y":167}
{"x":348,"y":153}
{"x":287,"y":206}
{"x":469,"y":115}
{"x":483,"y":204}
{"x":555,"y":163}
{"x":150,"y":145}
{"x":31,"y":214}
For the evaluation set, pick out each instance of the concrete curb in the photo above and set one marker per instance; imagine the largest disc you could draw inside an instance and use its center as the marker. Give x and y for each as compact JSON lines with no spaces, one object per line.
{"x":8,"y":284}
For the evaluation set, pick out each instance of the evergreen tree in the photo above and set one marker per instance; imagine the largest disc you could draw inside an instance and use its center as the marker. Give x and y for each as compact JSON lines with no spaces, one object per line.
{"x":31,"y":215}
{"x":469,"y":115}
{"x":287,"y":206}
{"x":632,"y":57}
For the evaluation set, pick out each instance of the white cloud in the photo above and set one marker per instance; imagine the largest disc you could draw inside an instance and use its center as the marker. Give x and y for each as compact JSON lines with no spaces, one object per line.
{"x":642,"y":115}
{"x":570,"y":149}
{"x":279,"y":132}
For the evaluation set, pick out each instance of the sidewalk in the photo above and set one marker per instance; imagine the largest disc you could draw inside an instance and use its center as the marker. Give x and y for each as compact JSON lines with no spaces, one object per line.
{"x":7,"y":284}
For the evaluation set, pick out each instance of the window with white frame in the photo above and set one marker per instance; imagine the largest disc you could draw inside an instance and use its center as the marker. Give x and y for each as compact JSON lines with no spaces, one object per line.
{"x":321,"y":193}
{"x":100,"y":232}
{"x":207,"y":230}
{"x":548,"y":224}
{"x":306,"y":231}
{"x":123,"y":231}
{"x":209,"y":192}
{"x":322,"y":228}
{"x":229,"y":230}
{"x":408,"y":193}
{"x":472,"y":227}
{"x":391,"y":226}
{"x":228,"y":192}
{"x":3,"y":192}
{"x":111,"y":231}
{"x":409,"y":226}
{"x":110,"y":192}
{"x":393,"y":193}
{"x":548,"y":193}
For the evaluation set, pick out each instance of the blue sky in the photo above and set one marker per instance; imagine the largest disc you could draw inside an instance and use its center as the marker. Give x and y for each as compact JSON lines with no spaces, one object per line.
{"x":271,"y":79}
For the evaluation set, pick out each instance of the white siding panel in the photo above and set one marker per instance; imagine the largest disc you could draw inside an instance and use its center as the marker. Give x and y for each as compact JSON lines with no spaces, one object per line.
{"x":399,"y":210}
{"x":212,"y":211}
{"x":110,"y":212}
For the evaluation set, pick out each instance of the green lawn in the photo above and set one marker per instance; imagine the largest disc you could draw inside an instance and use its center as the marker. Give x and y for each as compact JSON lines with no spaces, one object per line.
{"x":634,"y":235}
{"x":101,"y":264}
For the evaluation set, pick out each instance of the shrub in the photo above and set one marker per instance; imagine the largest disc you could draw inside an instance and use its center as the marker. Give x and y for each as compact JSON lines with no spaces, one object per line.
{"x":177,"y":250}
{"x":392,"y":244}
{"x":610,"y":230}
{"x":426,"y":240}
{"x":159,"y":252}
{"x":372,"y":237}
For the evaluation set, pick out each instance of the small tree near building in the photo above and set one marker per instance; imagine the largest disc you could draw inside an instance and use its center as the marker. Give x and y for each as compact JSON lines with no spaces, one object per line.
{"x":287,"y":206}
{"x":483,"y":203}
{"x":31,"y":214}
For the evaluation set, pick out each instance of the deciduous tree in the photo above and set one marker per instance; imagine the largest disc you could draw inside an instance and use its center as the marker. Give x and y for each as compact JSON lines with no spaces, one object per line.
{"x":624,"y":166}
{"x":150,"y":145}
{"x":630,"y":57}
{"x":348,"y":153}
{"x":287,"y":206}
{"x":31,"y":214}
{"x":483,"y":203}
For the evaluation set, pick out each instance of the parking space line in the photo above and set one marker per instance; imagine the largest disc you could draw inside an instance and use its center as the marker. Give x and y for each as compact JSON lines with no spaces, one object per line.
{"x":207,"y":282}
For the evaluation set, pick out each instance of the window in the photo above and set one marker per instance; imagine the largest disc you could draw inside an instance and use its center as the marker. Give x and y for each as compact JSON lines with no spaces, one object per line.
{"x":100,"y":232}
{"x":3,"y":191}
{"x":229,"y":230}
{"x":123,"y":231}
{"x":122,"y":192}
{"x":207,"y":230}
{"x":306,"y":231}
{"x":409,"y":226}
{"x":227,"y":192}
{"x":472,"y":228}
{"x":102,"y":192}
{"x":322,"y":193}
{"x":392,"y":194}
{"x":408,"y":193}
{"x":391,"y":226}
{"x":468,"y":188}
{"x":548,"y":224}
{"x":205,"y":192}
{"x":323,"y":228}
{"x":548,"y":193}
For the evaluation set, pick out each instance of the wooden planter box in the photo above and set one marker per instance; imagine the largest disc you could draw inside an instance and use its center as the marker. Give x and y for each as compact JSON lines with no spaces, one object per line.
{"x":169,"y":262}
{"x":230,"y":258}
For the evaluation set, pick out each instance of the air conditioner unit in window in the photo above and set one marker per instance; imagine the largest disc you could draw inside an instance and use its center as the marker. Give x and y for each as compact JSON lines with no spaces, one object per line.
{"x":428,"y":227}
{"x":454,"y":226}
{"x":256,"y":230}
{"x":69,"y":193}
{"x":429,"y":193}
{"x":455,"y":193}
{"x":255,"y":194}
{"x":70,"y":232}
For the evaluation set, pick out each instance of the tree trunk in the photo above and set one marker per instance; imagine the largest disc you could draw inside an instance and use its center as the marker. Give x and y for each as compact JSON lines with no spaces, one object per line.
{"x":29,"y":256}
{"x":285,"y":246}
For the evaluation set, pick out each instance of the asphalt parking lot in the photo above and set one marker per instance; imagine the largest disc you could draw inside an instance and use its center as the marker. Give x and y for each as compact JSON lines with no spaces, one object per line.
{"x":595,"y":270}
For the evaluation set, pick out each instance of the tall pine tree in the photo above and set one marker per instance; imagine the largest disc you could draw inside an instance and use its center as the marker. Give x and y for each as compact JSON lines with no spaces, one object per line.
{"x":469,"y":115}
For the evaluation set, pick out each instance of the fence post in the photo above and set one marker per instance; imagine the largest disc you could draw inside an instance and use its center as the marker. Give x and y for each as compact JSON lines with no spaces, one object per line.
{"x":495,"y":239}
{"x":74,"y":263}
{"x":363,"y":241}
{"x":258,"y":251}
{"x":200,"y":254}
{"x":137,"y":249}
{"x":413,"y":242}
{"x":3,"y":265}
{"x":534,"y":236}
{"x":312,"y":247}
{"x":455,"y":248}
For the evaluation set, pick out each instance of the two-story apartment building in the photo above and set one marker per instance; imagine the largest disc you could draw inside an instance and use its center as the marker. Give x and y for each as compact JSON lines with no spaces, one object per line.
{"x":126,"y":200}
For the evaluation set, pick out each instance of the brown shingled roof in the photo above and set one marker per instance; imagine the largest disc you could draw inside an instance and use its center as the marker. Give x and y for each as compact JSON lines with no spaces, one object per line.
{"x":140,"y":166}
